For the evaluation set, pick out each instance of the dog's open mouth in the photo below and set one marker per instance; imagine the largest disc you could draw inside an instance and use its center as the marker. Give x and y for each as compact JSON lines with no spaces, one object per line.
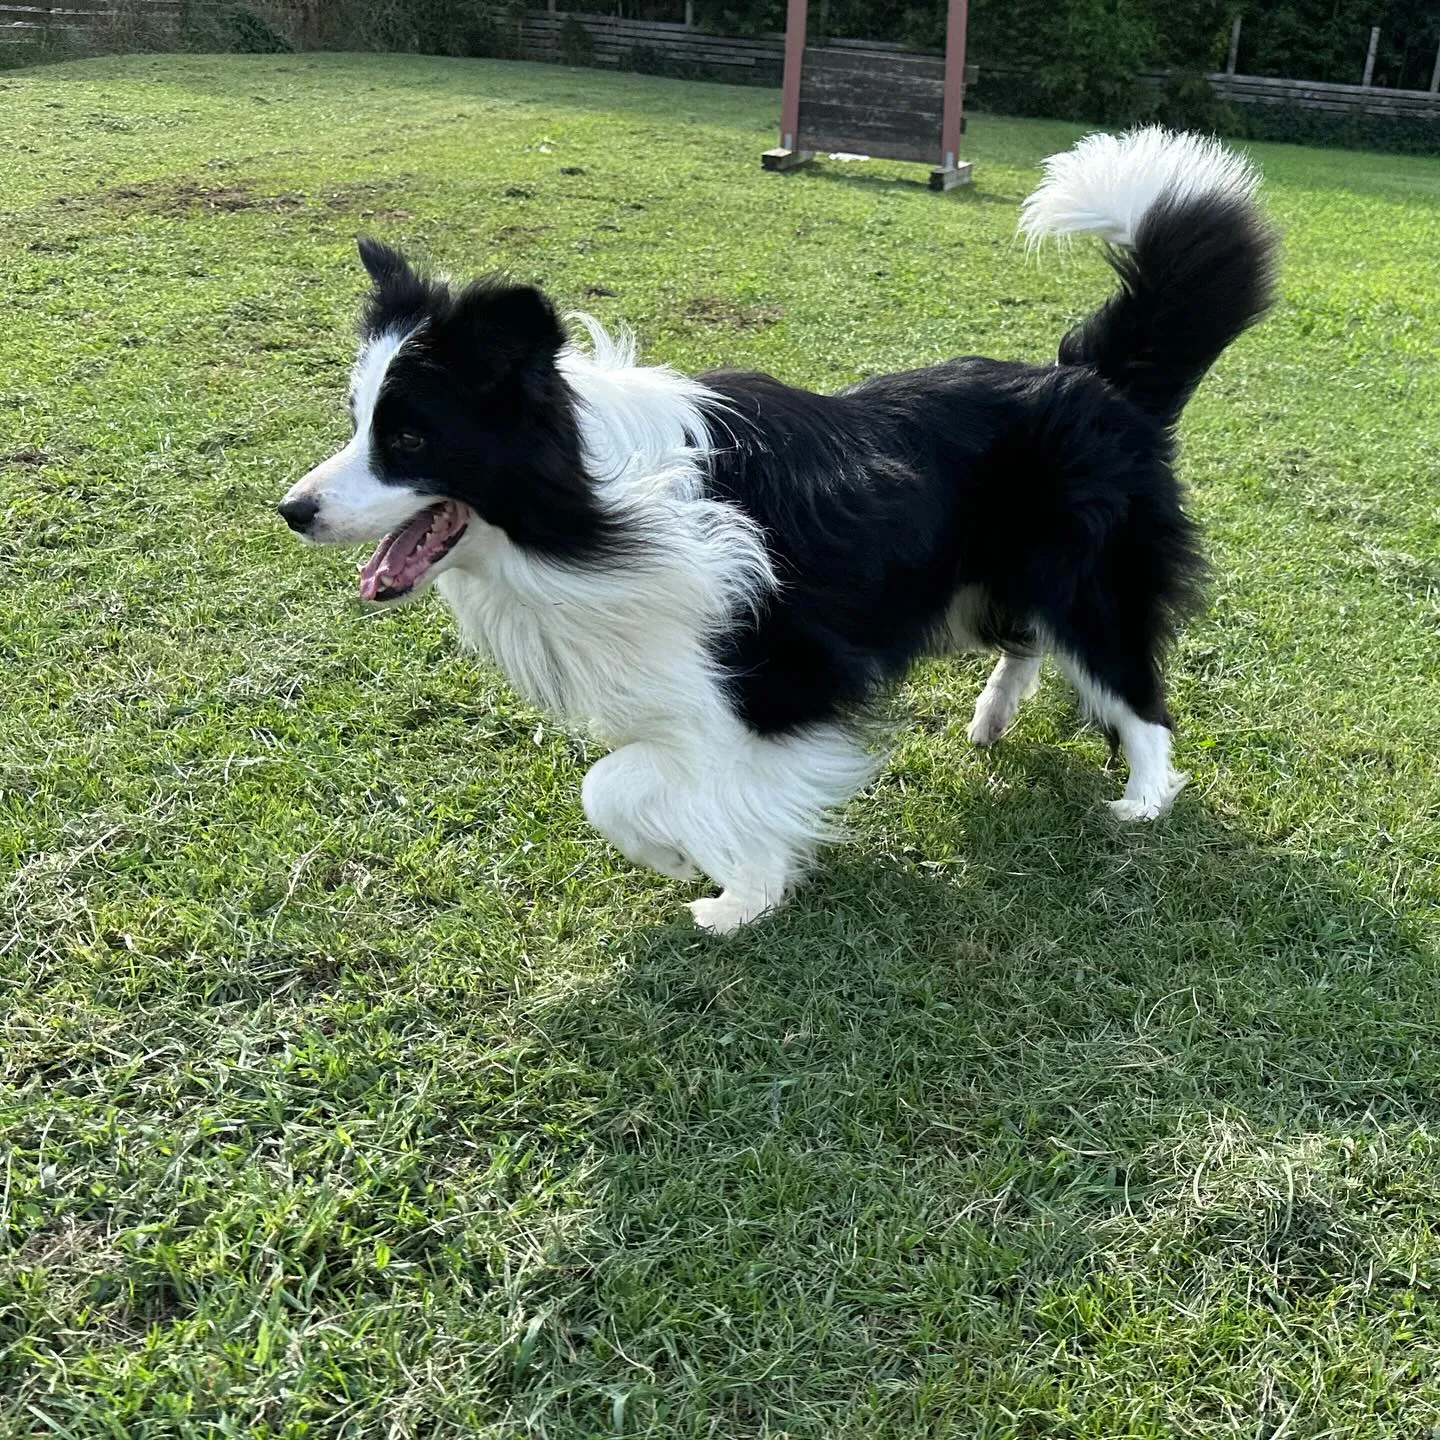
{"x":404,"y":555}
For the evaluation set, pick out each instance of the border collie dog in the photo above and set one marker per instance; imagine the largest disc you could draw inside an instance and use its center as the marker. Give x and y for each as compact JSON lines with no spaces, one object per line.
{"x":715,"y":576}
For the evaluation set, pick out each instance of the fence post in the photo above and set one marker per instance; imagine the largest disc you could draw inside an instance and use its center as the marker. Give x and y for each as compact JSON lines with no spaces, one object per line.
{"x":1234,"y":45}
{"x":689,"y":14}
{"x":794,"y":62}
{"x":1435,"y":75}
{"x":956,"y":23}
{"x":786,"y":155}
{"x":1370,"y":56}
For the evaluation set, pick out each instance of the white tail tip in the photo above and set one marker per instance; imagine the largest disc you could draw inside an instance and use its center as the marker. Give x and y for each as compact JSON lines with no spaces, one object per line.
{"x":1105,"y":184}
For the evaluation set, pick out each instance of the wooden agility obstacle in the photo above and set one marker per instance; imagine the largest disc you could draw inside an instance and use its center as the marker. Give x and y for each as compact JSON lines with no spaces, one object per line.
{"x":896,"y":105}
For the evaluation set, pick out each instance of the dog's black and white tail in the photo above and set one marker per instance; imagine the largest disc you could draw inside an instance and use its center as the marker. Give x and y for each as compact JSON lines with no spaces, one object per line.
{"x":1193,"y":253}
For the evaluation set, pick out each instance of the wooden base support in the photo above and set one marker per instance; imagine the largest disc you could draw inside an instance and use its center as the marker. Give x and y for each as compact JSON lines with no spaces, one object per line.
{"x":943,"y":177}
{"x":782,"y":159}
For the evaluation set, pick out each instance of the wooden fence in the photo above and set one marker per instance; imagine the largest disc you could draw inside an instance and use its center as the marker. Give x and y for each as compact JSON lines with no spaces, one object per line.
{"x":86,"y":21}
{"x":1318,"y":95}
{"x":608,"y":41}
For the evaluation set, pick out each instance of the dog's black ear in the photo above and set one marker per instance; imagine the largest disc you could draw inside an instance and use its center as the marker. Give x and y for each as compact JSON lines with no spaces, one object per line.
{"x":400,"y":297}
{"x":499,"y":328}
{"x":383,"y":263}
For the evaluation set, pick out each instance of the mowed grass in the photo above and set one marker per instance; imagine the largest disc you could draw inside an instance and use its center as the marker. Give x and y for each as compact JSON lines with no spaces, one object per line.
{"x":353,"y":1088}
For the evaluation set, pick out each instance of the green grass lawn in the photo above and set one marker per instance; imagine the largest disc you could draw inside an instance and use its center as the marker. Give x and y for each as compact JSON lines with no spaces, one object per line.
{"x":351,"y":1087}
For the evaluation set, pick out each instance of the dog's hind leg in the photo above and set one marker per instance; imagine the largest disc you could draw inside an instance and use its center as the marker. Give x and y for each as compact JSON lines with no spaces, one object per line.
{"x":1143,"y":736}
{"x":1111,"y":637}
{"x":1014,"y":678}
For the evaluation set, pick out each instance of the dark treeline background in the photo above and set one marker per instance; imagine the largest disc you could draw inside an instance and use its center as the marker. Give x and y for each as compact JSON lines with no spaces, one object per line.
{"x":1295,"y":39}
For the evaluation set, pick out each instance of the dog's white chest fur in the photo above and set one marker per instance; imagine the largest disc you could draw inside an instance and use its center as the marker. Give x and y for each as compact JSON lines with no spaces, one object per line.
{"x":619,"y":649}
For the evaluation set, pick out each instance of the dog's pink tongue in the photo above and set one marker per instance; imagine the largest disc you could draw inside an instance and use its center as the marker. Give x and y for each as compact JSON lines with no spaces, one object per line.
{"x":399,"y":559}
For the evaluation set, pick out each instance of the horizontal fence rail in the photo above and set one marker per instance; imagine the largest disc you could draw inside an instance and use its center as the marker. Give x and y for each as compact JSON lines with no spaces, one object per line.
{"x":555,"y":36}
{"x":1320,"y":95}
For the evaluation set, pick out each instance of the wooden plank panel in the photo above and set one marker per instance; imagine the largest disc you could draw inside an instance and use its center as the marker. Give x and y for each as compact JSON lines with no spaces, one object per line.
{"x":887,"y":104}
{"x":924,"y":150}
{"x":898,"y":126}
{"x":860,"y":64}
{"x":891,"y":46}
{"x":896,"y":117}
{"x":880,"y":76}
{"x":900,"y":132}
{"x":880,"y":149}
{"x":898,"y":97}
{"x":820,"y":78}
{"x":822,"y":60}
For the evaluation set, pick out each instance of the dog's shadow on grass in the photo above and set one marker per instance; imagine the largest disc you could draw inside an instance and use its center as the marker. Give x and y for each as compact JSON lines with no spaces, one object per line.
{"x":1254,"y":977}
{"x":954,"y":1081}
{"x":1048,"y":974}
{"x":909,"y":1124}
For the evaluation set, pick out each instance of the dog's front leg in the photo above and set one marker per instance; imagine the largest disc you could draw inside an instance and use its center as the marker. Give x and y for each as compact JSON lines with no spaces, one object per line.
{"x":623,"y":798}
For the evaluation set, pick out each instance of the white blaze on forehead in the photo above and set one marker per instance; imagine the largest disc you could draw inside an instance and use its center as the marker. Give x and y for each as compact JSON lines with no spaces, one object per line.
{"x":369,"y":372}
{"x":356,"y":503}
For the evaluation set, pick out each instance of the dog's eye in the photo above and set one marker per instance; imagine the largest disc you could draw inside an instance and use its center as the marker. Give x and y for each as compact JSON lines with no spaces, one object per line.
{"x":408,"y":442}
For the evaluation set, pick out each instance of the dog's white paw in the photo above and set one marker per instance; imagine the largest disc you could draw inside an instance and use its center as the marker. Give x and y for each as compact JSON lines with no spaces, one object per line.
{"x":1143,"y":808}
{"x":998,"y":703}
{"x":993,"y":717}
{"x":724,"y":913}
{"x":1148,"y":805}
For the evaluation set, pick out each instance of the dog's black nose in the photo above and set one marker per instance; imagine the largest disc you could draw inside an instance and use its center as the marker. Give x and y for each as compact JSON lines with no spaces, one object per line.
{"x":298,"y":514}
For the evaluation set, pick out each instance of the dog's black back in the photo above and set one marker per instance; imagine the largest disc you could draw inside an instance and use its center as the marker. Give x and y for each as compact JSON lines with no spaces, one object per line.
{"x":1041,"y":486}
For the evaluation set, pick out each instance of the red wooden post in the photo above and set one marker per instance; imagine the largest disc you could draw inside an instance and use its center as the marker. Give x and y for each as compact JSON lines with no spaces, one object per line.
{"x":788,"y":155}
{"x":954,"y":84}
{"x":794,"y":64}
{"x":952,"y":170}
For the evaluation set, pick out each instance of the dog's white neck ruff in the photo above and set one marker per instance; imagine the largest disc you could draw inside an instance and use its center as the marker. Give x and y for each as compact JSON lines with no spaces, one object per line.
{"x":619,"y":646}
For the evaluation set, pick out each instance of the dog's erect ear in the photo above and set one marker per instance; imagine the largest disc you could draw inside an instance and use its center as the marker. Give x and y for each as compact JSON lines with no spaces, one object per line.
{"x":401,"y":298}
{"x":500,"y":328}
{"x":383,"y":263}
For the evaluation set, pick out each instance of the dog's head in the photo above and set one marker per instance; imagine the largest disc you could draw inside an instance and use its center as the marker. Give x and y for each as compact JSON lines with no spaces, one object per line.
{"x":462,"y":421}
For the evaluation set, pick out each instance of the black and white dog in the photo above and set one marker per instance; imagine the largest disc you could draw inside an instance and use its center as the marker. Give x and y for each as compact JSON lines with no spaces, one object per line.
{"x":715,"y":575}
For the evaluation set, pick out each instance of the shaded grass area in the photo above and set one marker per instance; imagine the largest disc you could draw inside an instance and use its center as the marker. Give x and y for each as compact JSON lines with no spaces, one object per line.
{"x":351,"y":1087}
